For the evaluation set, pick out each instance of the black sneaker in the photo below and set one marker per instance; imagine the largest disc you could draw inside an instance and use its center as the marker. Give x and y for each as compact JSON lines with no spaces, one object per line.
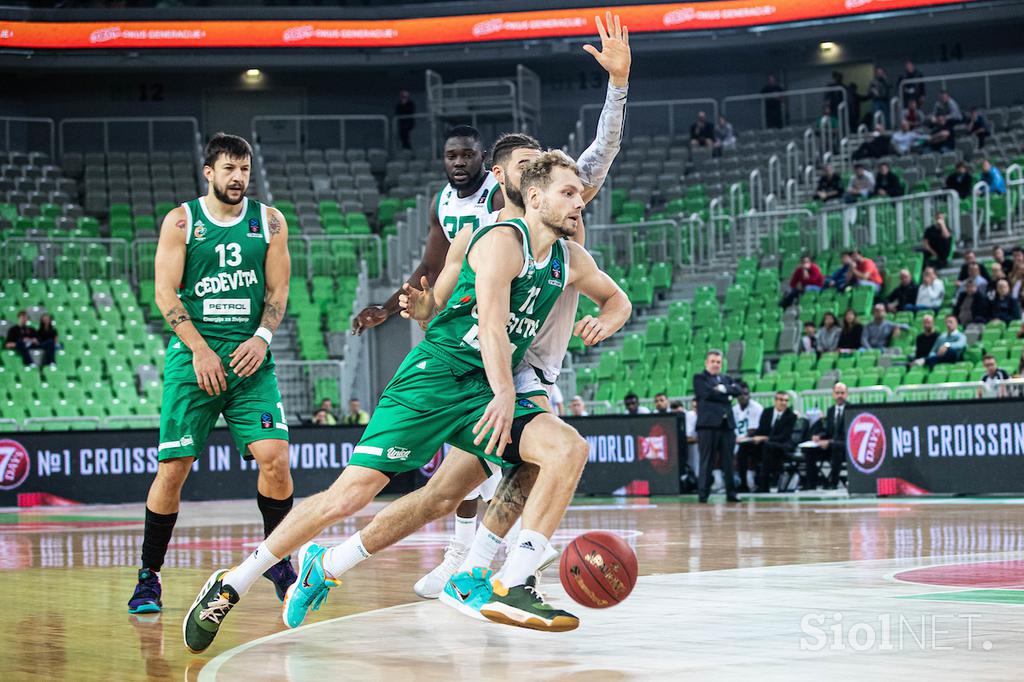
{"x":146,"y":598}
{"x":282,"y":575}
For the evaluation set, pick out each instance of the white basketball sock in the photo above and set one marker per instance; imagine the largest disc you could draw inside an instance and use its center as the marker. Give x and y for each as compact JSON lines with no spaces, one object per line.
{"x":343,"y":557}
{"x":482,"y":550}
{"x":524,"y":559}
{"x":465,"y":530}
{"x":513,"y":533}
{"x":242,"y":577}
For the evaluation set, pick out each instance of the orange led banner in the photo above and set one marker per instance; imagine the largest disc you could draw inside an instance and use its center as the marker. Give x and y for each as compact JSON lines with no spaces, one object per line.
{"x":435,"y":30}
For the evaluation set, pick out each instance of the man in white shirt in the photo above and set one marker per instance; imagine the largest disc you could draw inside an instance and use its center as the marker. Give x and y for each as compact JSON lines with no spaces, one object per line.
{"x":747,"y":414}
{"x":992,"y":385}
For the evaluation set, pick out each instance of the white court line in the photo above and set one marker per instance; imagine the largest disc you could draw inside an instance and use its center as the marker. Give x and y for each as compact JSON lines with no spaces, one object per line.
{"x":209,"y":672}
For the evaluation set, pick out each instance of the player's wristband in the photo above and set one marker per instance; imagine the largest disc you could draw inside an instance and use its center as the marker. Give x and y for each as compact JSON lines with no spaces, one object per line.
{"x":264,"y":334}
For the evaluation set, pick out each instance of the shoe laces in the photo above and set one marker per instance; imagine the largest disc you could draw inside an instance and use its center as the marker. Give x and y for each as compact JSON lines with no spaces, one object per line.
{"x":216,"y":609}
{"x":454,"y":555}
{"x":532,"y":589}
{"x":320,"y":598}
{"x":147,"y":588}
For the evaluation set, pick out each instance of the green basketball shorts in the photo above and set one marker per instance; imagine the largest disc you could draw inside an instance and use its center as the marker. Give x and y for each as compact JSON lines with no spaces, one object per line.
{"x":251,"y":406}
{"x":428,"y":403}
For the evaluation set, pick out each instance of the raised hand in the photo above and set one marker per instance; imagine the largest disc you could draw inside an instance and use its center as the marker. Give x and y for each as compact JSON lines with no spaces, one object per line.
{"x":417,"y":304}
{"x":615,"y":56}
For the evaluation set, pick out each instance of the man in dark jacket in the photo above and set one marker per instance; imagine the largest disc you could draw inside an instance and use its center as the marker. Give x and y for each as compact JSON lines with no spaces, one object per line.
{"x":886,"y":182}
{"x":960,"y":181}
{"x":773,"y":434}
{"x":716,"y":427}
{"x":829,"y":433}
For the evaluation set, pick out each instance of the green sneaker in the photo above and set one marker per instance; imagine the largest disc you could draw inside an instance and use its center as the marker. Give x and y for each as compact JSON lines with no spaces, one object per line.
{"x":207,"y":614}
{"x":310,"y":590}
{"x":523,"y":606}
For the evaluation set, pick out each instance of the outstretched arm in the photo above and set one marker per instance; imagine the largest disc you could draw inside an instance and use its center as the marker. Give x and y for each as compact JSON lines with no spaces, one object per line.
{"x":596,"y":285}
{"x":423,"y":303}
{"x":615,"y":57}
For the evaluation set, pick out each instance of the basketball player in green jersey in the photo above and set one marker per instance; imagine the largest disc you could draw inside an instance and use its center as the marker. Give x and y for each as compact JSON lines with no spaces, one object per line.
{"x":456,"y":386}
{"x":470,"y":199}
{"x":222,"y":269}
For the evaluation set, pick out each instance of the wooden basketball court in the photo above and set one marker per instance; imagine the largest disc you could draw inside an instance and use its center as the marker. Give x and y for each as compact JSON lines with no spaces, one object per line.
{"x":773,"y":588}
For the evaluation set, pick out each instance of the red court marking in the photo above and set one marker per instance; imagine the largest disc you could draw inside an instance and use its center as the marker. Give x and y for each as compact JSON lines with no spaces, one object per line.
{"x":50,"y":526}
{"x":993,"y":574}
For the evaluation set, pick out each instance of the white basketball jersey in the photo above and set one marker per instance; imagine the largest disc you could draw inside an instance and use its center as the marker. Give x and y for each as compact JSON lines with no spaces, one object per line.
{"x":550,"y":345}
{"x":455,"y":213}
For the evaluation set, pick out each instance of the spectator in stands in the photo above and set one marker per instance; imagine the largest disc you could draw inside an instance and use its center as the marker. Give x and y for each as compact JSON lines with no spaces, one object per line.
{"x":912,"y":116}
{"x":950,"y":345}
{"x":910,"y":93}
{"x":853,"y":100}
{"x":827,"y":336}
{"x":404,"y":110}
{"x":702,"y":133}
{"x":991,"y":176}
{"x":925,"y":341}
{"x":880,"y":331}
{"x":1017,"y":272}
{"x":46,"y":336}
{"x":577,"y":408}
{"x":829,"y":433}
{"x":661,"y":405}
{"x":930,"y":292}
{"x":960,"y":180}
{"x":879,"y":92}
{"x":941,"y":135}
{"x":773,"y":434}
{"x":808,"y":343}
{"x":324,"y":416}
{"x":904,"y":295}
{"x":725,"y":137}
{"x":879,"y":145}
{"x":999,"y":256}
{"x":833,"y":98}
{"x":806,"y":277}
{"x":829,"y":186}
{"x":970,"y":258}
{"x":773,"y":114}
{"x":691,"y":438}
{"x":841,"y":277}
{"x":937,"y":243}
{"x":851,"y":334}
{"x":861,"y":185}
{"x":905,"y":139}
{"x":974,"y":275}
{"x":886,"y":182}
{"x":747,"y":415}
{"x":947,"y":108}
{"x":22,"y":337}
{"x":992,"y":385}
{"x":1003,"y":305}
{"x":716,"y":428}
{"x":633,"y":406}
{"x":978,"y":126}
{"x":865,"y":272}
{"x":355,"y":416}
{"x":996,"y":272}
{"x":971,"y":305}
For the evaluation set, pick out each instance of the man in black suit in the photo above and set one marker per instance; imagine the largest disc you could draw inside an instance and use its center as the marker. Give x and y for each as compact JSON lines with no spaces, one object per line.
{"x":716,"y":429}
{"x":830,"y":434}
{"x":773,"y":435}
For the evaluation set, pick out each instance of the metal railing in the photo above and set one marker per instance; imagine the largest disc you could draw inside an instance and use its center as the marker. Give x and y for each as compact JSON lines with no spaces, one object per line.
{"x":758,"y":225}
{"x":964,"y":390}
{"x":29,"y":142}
{"x":416,"y":134}
{"x":981,"y":210}
{"x":788,"y":109}
{"x":664,"y":241}
{"x":300,"y":381}
{"x":65,"y":258}
{"x":1008,"y":91}
{"x":658,"y":117}
{"x":167,"y":133}
{"x":322,"y":131}
{"x":1014,"y":197}
{"x":863,"y":224}
{"x":821,"y":398}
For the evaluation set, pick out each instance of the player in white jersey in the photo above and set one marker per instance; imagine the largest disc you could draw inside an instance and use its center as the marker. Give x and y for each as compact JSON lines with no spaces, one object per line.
{"x":543,"y":362}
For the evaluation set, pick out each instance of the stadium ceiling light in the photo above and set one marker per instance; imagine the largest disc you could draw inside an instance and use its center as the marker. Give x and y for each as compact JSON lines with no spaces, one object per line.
{"x":253,"y":75}
{"x":827,"y":47}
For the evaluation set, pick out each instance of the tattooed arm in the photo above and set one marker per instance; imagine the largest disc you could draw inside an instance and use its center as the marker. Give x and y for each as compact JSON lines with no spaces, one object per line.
{"x":277,"y":268}
{"x":169,"y":268}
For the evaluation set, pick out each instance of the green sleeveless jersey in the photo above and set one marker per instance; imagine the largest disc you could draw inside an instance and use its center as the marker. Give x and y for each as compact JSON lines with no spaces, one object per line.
{"x":534,"y":293}
{"x":223,"y":285}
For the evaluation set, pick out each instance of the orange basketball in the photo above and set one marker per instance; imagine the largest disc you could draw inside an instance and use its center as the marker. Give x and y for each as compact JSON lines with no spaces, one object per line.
{"x":598,"y":569}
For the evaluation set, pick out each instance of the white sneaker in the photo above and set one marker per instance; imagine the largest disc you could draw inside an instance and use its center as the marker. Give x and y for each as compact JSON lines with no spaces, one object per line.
{"x":432,"y":584}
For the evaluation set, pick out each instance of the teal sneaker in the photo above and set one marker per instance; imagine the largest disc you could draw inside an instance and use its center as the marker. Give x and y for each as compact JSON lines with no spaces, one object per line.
{"x":466,"y":592}
{"x":203,"y":620}
{"x":524,"y":606}
{"x":310,"y":590}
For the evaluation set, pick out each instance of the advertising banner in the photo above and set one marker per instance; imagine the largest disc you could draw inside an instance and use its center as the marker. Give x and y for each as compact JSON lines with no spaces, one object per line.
{"x":964,"y":446}
{"x":653,"y":18}
{"x":635,"y":456}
